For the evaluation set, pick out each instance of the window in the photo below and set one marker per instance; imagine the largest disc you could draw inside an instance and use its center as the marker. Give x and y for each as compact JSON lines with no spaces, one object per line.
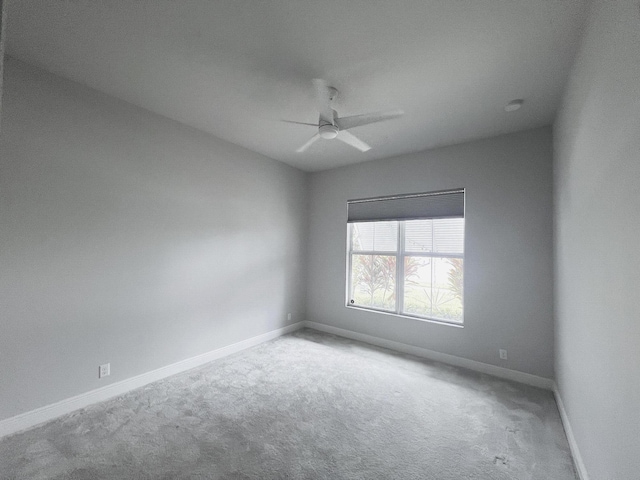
{"x":406,"y":255}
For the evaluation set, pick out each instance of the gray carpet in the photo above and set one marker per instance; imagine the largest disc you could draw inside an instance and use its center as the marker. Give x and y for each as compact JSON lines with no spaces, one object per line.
{"x":305,"y":406}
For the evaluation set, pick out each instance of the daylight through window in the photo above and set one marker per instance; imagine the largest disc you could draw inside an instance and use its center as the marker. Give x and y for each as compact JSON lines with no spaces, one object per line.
{"x":408,"y":266}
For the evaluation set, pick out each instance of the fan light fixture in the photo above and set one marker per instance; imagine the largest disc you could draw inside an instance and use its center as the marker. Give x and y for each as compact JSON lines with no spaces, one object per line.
{"x":328,"y":132}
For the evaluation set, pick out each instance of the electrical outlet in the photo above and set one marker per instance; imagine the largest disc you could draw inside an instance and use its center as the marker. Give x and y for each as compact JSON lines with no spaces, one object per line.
{"x":503,"y":354}
{"x":288,"y":316}
{"x":104,"y":370}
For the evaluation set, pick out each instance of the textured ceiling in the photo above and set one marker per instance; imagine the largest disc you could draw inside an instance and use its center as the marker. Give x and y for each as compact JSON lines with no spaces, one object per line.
{"x":234,"y":68}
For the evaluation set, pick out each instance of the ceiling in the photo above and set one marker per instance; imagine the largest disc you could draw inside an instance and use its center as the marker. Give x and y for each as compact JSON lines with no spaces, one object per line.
{"x":235,"y":68}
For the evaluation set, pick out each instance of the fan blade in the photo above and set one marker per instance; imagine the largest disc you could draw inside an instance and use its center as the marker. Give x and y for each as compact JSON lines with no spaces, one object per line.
{"x":323,"y":100}
{"x":346,"y":123}
{"x":309,"y":143}
{"x":300,"y":123}
{"x":352,"y":140}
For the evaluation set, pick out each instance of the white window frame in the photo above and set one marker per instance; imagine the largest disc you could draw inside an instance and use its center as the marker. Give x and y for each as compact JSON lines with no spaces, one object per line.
{"x":400,"y":256}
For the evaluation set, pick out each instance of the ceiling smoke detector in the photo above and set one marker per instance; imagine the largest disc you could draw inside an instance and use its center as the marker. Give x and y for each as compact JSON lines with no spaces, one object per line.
{"x":514,"y":105}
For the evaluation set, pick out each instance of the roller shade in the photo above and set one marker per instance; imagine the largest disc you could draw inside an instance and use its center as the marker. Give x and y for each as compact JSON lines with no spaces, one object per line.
{"x":407,"y":207}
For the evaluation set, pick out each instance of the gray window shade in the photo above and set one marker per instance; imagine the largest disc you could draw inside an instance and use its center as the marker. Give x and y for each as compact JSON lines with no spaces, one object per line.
{"x":407,"y":207}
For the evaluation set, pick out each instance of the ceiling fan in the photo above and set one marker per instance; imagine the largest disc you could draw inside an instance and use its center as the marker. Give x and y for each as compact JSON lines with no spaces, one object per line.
{"x":331,"y":126}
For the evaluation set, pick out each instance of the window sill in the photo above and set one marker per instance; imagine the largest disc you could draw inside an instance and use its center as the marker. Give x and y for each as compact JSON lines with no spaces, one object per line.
{"x":411,"y":317}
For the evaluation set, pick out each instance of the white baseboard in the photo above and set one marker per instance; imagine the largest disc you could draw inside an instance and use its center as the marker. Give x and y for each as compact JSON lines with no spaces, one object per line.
{"x":49,"y":412}
{"x":575,"y":451}
{"x":514,"y":375}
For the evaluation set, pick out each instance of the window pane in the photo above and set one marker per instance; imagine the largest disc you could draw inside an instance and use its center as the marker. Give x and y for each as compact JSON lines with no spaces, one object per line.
{"x":448,"y":235}
{"x":374,"y":236}
{"x":442,"y":235}
{"x":418,"y":236}
{"x":373,"y":281}
{"x":433,"y":287}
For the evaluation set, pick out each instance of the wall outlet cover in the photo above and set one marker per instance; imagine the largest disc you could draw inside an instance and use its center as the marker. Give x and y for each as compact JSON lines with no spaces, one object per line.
{"x":104,"y":370}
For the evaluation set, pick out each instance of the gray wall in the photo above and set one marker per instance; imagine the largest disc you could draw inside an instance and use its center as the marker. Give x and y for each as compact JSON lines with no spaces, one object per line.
{"x":3,"y":36}
{"x":597,"y":217}
{"x":508,"y":261}
{"x":131,"y":239}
